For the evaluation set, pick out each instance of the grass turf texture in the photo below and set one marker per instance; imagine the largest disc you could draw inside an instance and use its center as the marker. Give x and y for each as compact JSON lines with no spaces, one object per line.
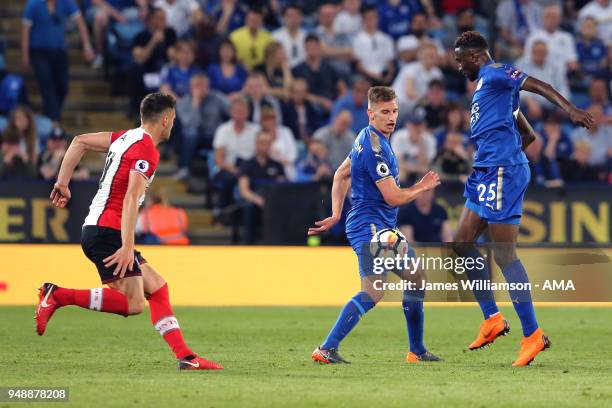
{"x":111,"y":361}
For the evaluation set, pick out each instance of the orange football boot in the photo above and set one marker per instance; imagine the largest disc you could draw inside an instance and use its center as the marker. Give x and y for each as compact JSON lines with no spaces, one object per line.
{"x":490,"y":329}
{"x":530,"y":347}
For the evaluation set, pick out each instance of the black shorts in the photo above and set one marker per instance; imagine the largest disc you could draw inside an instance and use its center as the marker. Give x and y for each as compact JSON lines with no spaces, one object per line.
{"x":99,"y":243}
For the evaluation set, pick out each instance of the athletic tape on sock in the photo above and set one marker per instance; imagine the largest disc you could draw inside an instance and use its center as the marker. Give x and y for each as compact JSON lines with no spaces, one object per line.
{"x":95,"y":299}
{"x":166,"y":324}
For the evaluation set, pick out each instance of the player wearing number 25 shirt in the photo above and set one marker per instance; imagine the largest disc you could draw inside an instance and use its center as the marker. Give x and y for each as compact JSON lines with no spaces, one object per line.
{"x":108,"y":232}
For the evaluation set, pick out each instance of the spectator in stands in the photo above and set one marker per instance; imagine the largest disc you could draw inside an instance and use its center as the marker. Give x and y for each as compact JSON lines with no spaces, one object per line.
{"x":44,"y":49}
{"x":322,"y":78}
{"x":52,"y":156}
{"x":453,"y":160}
{"x":599,"y":136}
{"x":407,"y":50}
{"x":414,"y":146}
{"x":578,"y":169}
{"x":419,"y":27}
{"x":102,"y":12}
{"x":175,"y":77}
{"x":315,"y":166}
{"x":19,"y":145}
{"x":276,"y":70}
{"x":464,"y":21}
{"x":161,"y":223}
{"x":208,"y":42}
{"x":356,"y":102}
{"x":284,"y":148}
{"x":544,"y":169}
{"x":423,"y":220}
{"x":561,"y":46}
{"x":348,"y":21}
{"x":436,"y":107}
{"x":229,"y":15}
{"x":557,"y":141}
{"x":335,"y":46}
{"x":181,"y":15}
{"x":598,"y":95}
{"x":338,"y":138}
{"x":299,"y":111}
{"x":591,"y":50}
{"x":412,"y":82}
{"x":200,"y":112}
{"x":601,"y":11}
{"x":256,"y":173}
{"x":251,"y":40}
{"x":13,"y":91}
{"x":515,"y":20}
{"x":227,"y":76}
{"x":258,"y":95}
{"x":233,"y":143}
{"x":152,"y":49}
{"x":21,"y":130}
{"x":454,"y":122}
{"x":374,"y":50}
{"x":539,"y":66}
{"x":291,"y":35}
{"x":395,"y":16}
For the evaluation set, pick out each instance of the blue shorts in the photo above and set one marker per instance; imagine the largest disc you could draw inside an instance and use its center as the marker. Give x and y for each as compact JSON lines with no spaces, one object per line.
{"x":365,"y":260}
{"x":496,"y":193}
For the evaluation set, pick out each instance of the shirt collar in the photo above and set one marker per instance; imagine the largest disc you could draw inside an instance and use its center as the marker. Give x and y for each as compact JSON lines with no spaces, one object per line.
{"x":489,"y":62}
{"x":373,"y":129}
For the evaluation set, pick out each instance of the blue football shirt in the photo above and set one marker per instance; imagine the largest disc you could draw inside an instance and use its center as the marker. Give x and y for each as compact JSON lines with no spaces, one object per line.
{"x":372,"y":160}
{"x":495,"y":105}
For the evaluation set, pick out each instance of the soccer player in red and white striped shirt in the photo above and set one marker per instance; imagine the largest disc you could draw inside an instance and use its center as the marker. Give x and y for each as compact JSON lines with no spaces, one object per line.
{"x":108,"y":232}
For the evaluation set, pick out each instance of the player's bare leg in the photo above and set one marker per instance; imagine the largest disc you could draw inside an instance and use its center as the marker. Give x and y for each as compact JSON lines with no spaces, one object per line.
{"x":534,"y":341}
{"x":470,"y":227}
{"x":162,"y":316}
{"x":412,"y":305}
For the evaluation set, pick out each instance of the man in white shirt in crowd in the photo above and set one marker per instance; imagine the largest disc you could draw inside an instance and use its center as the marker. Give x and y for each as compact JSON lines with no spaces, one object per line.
{"x":291,"y":35}
{"x":181,"y":14}
{"x":561,"y":45}
{"x":411,"y":83}
{"x":233,"y":143}
{"x":601,"y":11}
{"x":348,"y":21}
{"x":374,"y":50}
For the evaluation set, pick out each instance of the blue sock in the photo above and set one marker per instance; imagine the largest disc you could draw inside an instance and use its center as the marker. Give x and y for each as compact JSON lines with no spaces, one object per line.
{"x":514,"y":272}
{"x":415,"y":319}
{"x":485,"y":298}
{"x":348,"y":319}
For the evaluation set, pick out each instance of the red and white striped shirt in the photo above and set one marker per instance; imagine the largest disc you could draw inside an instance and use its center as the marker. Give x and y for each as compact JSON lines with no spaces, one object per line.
{"x":130,"y":150}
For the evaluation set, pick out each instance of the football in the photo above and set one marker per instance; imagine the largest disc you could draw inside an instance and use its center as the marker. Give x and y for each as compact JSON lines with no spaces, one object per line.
{"x":388,"y":243}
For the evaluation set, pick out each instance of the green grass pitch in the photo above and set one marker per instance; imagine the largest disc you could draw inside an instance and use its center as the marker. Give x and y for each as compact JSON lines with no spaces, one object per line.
{"x":111,"y":361}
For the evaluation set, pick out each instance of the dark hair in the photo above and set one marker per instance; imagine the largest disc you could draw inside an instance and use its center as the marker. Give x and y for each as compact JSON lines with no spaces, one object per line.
{"x":12,"y":135}
{"x":291,"y":6}
{"x":154,"y":104}
{"x":378,"y":94}
{"x":473,"y":40}
{"x":367,"y":9}
{"x":312,"y":38}
{"x":230,"y":44}
{"x":436,"y":83}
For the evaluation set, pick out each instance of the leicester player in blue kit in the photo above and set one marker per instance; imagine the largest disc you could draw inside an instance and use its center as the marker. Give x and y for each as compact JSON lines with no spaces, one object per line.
{"x":494,"y":191}
{"x":371,"y":170}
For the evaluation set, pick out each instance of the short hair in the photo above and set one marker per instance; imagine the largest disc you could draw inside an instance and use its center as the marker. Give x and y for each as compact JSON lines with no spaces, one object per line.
{"x":378,"y":94}
{"x":367,"y":9}
{"x":473,"y":40}
{"x":154,"y":104}
{"x":291,"y":6}
{"x":436,"y":83}
{"x":312,"y":38}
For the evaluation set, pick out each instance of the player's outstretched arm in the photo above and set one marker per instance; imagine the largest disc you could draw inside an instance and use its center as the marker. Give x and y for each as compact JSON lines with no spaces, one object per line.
{"x":527,"y":133}
{"x":577,"y":116}
{"x":340,"y":187}
{"x":124,"y":256}
{"x":396,"y":196}
{"x":97,"y":142}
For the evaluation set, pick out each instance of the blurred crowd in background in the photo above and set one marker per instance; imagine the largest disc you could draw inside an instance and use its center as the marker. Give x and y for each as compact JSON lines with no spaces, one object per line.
{"x":275,"y":91}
